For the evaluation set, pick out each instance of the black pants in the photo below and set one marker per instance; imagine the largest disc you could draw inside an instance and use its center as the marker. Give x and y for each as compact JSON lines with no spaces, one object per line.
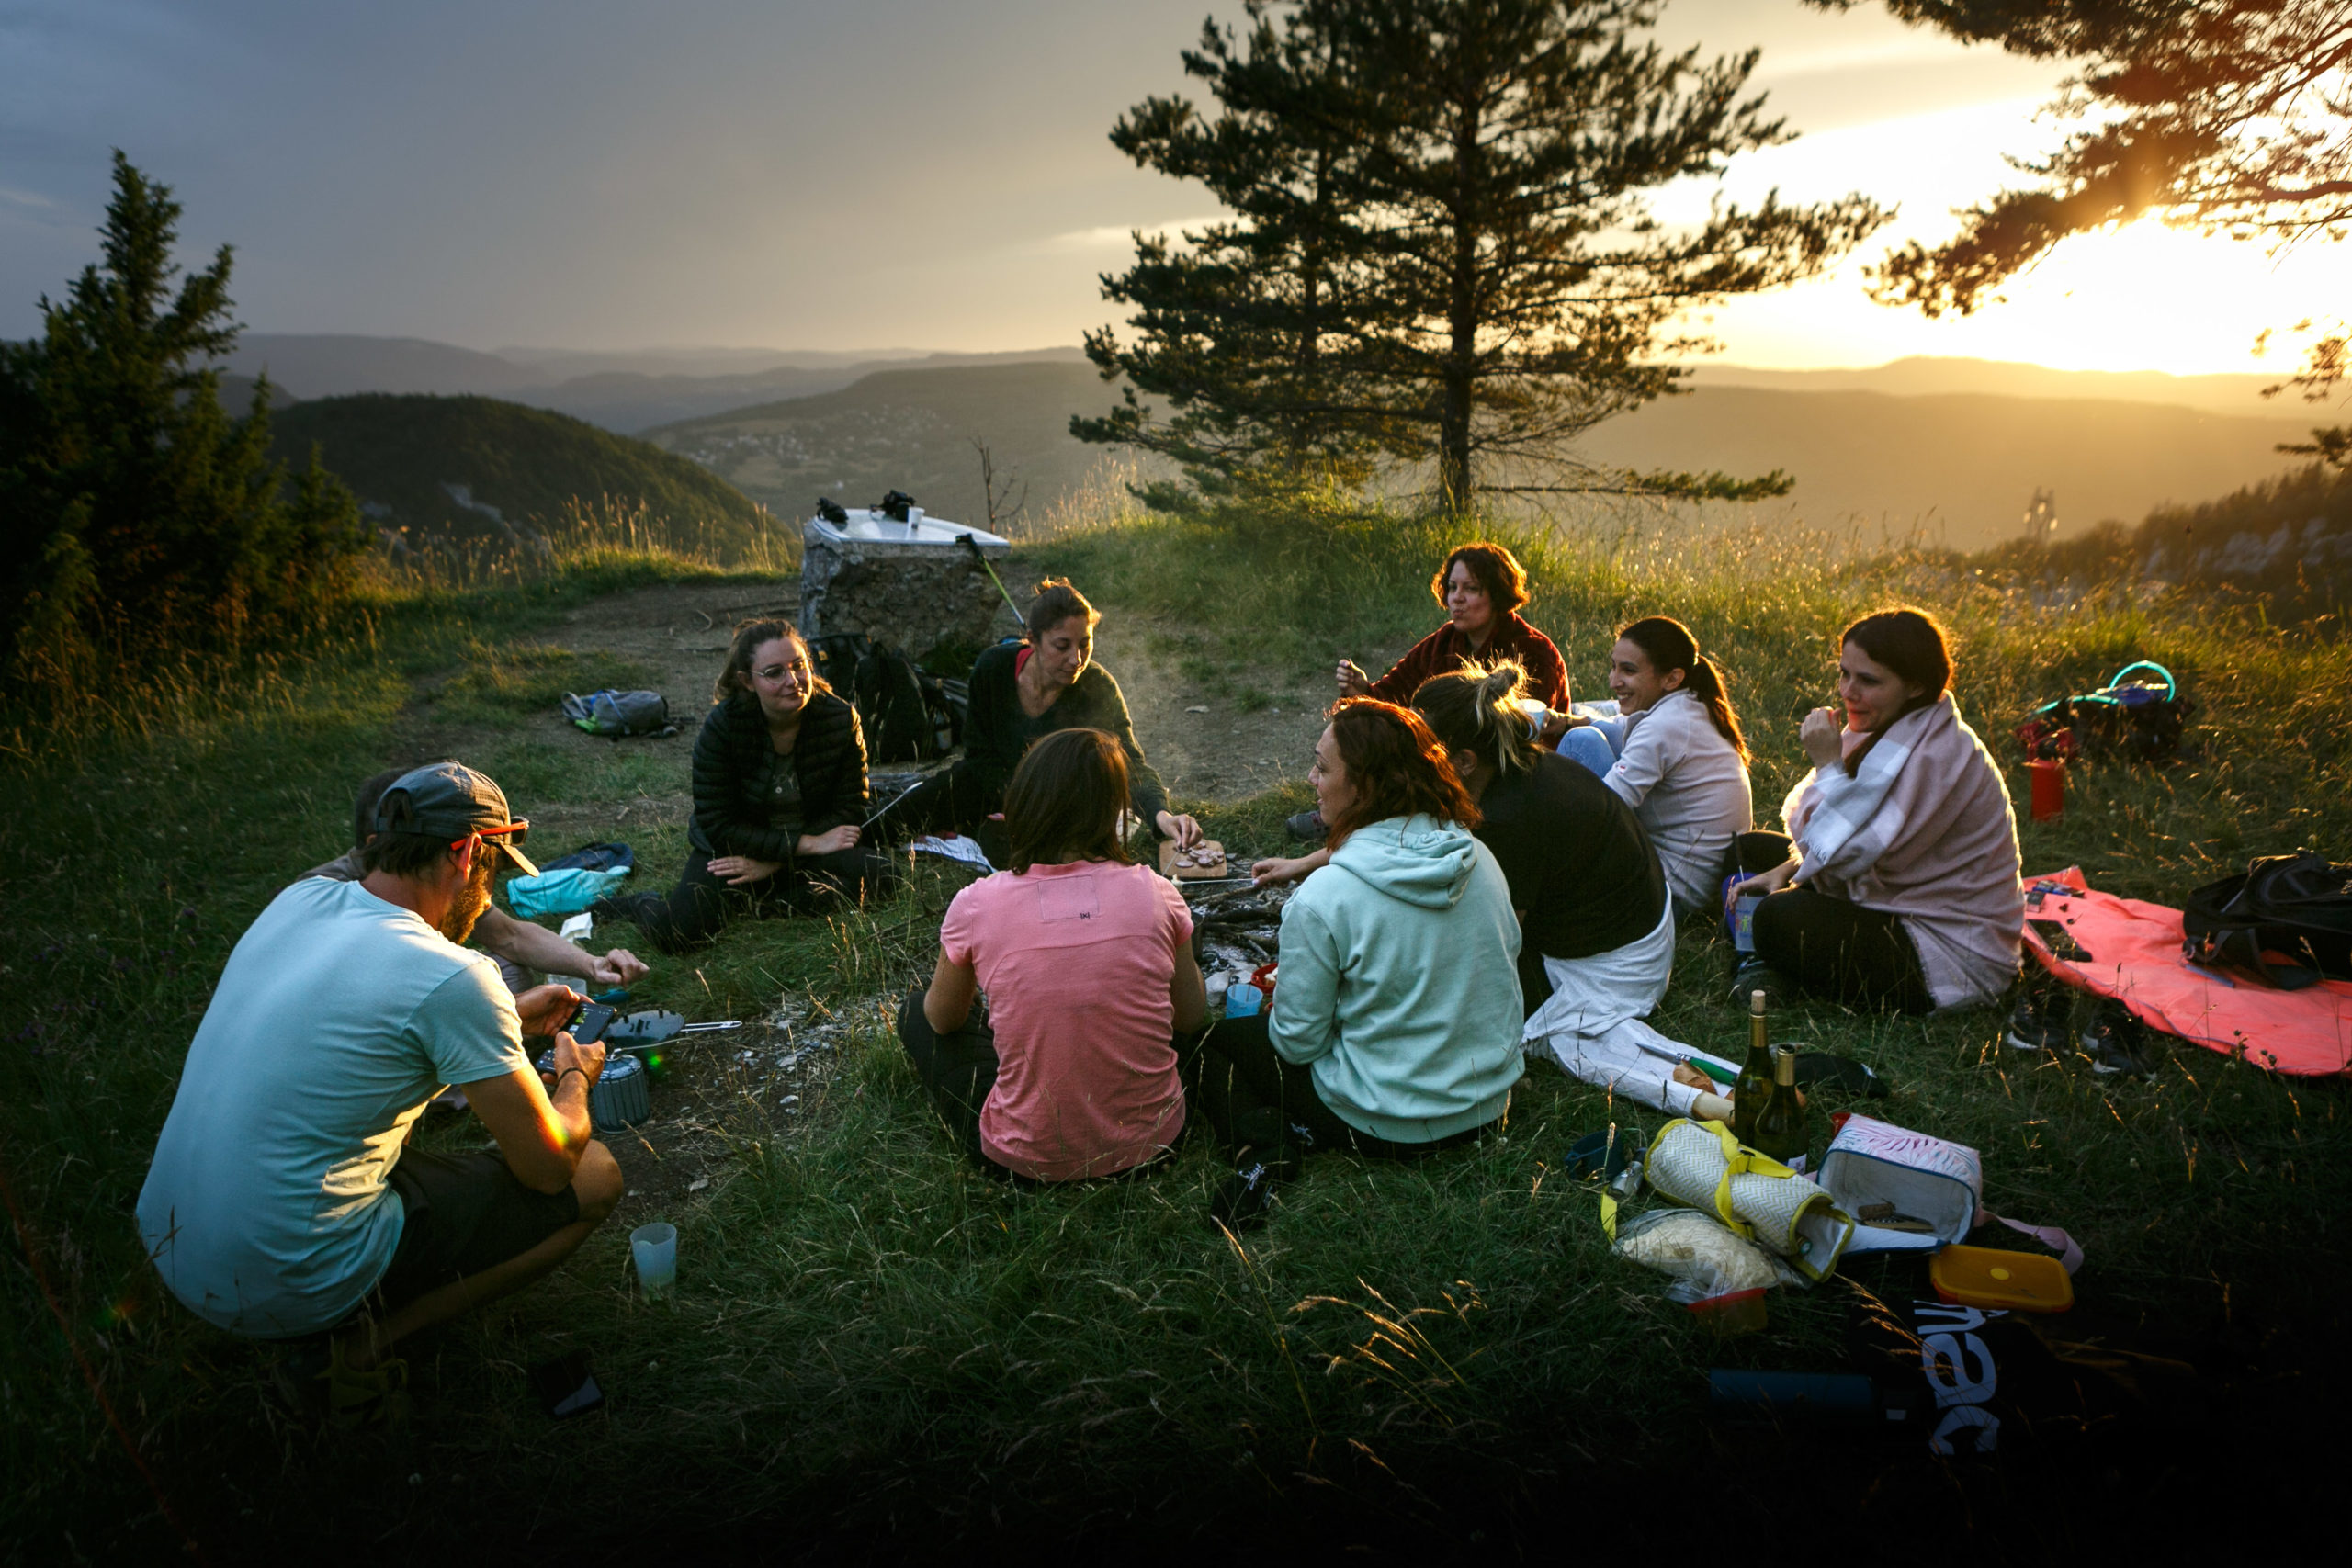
{"x":959,"y":798}
{"x":1836,"y":948}
{"x":1252,"y":1099}
{"x":700,"y":906}
{"x":959,"y":1069}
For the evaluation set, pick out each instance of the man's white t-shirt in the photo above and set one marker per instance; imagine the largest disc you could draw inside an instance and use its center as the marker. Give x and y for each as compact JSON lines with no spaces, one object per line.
{"x":266,"y":1209}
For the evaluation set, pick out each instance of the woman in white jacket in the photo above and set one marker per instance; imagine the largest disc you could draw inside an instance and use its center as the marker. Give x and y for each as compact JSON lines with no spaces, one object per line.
{"x":1676,"y":756}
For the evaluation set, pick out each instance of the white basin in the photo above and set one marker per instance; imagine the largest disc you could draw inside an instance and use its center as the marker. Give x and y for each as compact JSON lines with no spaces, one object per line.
{"x":867,"y":526}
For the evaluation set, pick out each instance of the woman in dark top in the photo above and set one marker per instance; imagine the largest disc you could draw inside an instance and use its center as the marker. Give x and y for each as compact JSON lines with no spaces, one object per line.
{"x":779,"y":785}
{"x":1019,"y":692}
{"x":1583,"y":876}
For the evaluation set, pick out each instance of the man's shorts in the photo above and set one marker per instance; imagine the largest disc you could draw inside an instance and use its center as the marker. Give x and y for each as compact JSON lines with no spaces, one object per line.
{"x":465,"y":1213}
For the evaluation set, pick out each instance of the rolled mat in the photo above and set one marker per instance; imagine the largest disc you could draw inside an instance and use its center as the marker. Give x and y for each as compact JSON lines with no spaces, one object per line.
{"x":1700,"y":1164}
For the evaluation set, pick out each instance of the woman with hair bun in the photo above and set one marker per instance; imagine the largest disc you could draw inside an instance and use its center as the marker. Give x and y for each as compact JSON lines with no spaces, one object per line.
{"x":1019,"y":692}
{"x":1395,"y":1025}
{"x":1682,"y":762}
{"x":1902,"y":889}
{"x":1592,"y":903}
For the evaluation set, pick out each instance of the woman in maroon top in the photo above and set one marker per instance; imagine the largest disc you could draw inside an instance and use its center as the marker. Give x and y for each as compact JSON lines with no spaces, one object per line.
{"x":1482,"y":587}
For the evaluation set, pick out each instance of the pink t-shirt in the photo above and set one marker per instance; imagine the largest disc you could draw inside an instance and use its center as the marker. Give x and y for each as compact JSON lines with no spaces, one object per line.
{"x":1076,"y":961}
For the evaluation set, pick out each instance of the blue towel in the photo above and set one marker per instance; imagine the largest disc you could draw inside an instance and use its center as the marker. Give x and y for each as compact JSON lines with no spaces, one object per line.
{"x":565,"y":892}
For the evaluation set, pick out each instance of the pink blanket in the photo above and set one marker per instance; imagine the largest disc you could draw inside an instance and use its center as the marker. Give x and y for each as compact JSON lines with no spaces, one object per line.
{"x":2135,"y":958}
{"x":1923,"y":830}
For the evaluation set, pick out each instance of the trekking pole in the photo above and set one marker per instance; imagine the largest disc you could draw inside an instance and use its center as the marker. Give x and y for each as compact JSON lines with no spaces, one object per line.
{"x":972,"y":544}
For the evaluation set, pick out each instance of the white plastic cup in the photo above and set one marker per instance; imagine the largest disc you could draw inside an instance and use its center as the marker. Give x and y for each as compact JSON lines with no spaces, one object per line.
{"x":655,"y":1249}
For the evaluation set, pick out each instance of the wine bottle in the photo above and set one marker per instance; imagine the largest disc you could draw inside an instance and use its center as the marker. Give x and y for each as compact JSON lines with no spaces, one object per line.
{"x":1780,"y":1132}
{"x":1754,"y":1085}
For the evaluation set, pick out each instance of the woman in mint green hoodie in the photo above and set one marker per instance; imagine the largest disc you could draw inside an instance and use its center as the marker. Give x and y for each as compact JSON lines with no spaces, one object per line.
{"x":1396,"y":1019}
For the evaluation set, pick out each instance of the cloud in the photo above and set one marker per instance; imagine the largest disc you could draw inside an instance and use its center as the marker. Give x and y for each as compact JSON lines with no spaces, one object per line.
{"x":1119,"y":236}
{"x":25,"y":199}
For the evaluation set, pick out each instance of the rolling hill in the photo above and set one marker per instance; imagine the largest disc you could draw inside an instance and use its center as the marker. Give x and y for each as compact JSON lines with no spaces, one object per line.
{"x":1962,"y":466}
{"x":473,"y":468}
{"x":910,"y":429}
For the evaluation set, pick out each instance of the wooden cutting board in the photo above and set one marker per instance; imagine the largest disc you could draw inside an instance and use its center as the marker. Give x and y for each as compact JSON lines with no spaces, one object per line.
{"x":1207,"y":850}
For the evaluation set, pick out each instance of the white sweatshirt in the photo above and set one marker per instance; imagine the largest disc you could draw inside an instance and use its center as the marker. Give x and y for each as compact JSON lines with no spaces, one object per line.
{"x":1690,"y":789}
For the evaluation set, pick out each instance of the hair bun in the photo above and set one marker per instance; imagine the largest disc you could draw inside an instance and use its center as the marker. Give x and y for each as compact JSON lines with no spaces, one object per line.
{"x":1500,"y":682}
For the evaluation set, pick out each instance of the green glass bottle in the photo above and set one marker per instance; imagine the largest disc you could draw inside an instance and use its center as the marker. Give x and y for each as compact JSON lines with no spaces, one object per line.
{"x":1780,"y":1132}
{"x":1754,"y":1085}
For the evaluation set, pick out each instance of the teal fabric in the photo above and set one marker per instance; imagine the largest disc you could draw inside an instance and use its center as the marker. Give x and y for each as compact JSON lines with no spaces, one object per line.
{"x":560,"y":892}
{"x":1399,"y":982}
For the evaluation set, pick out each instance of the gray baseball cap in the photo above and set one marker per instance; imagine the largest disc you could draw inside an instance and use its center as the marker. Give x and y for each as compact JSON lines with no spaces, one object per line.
{"x":450,"y":800}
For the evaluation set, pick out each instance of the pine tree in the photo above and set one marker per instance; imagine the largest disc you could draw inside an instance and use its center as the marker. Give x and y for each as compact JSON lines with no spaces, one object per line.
{"x":148,"y":523}
{"x":2226,"y":119}
{"x":1489,"y":280}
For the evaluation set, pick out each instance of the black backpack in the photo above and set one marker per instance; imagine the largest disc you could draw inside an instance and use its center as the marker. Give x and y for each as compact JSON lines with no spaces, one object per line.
{"x":889,"y":701}
{"x":2297,"y":906}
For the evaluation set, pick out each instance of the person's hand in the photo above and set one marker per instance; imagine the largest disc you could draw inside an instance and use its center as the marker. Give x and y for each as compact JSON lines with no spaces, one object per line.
{"x":832,"y":841}
{"x":547,"y":1009}
{"x":737,"y":870}
{"x":1273,"y":871}
{"x":1821,"y":739}
{"x":618,"y":967}
{"x":1353,"y":681}
{"x":1771,"y":881}
{"x":1558,"y":723}
{"x":1177,"y":826}
{"x":588,"y":1059}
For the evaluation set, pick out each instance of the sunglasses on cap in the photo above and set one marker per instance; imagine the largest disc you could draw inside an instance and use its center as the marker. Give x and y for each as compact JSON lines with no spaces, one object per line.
{"x":509,"y":838}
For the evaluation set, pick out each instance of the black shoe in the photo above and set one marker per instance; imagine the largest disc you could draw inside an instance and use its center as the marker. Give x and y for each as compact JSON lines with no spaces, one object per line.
{"x":1754,"y":974}
{"x":2116,"y":1042}
{"x":1308,"y":827}
{"x":1245,"y":1200}
{"x":2039,"y":1020}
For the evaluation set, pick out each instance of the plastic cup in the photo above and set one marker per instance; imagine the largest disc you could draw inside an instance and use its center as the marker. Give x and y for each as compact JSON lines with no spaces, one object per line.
{"x":1242,"y":1000}
{"x":2049,"y":790}
{"x":655,"y":1249}
{"x":1743,"y":921}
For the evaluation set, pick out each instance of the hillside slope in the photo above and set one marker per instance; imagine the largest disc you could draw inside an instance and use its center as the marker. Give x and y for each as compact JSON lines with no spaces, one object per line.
{"x":909,"y":429}
{"x":472,"y":468}
{"x":1962,"y":466}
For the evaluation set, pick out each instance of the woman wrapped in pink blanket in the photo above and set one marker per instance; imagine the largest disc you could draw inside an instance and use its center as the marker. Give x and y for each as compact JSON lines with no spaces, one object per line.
{"x":1901,"y":889}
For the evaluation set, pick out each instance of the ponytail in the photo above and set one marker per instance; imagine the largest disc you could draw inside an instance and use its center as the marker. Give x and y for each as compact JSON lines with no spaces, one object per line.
{"x":1667,"y":644}
{"x":1475,"y":709}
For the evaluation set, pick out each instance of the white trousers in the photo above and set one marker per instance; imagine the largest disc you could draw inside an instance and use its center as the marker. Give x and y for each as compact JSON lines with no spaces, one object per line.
{"x":1592,"y":1022}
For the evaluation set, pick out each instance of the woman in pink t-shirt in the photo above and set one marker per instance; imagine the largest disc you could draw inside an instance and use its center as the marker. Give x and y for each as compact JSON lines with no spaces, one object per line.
{"x":1087,"y":959}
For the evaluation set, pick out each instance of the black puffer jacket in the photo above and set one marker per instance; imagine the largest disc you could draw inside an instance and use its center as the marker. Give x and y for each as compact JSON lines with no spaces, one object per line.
{"x":733,"y":817}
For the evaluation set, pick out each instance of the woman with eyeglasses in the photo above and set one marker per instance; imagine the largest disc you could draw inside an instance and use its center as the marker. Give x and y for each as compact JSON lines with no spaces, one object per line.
{"x":780,"y":790}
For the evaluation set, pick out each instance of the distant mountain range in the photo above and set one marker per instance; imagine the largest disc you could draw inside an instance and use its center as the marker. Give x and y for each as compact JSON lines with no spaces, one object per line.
{"x":1954,"y":446}
{"x":626,"y":393}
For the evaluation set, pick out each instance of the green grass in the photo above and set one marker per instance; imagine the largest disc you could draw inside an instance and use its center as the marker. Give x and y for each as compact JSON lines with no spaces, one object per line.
{"x":868,"y":1337}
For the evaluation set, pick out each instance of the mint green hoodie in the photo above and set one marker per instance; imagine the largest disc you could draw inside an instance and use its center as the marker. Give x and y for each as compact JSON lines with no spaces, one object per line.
{"x":1399,"y":982}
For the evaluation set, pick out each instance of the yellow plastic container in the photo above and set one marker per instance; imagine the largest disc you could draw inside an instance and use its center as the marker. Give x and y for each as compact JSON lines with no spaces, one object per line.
{"x":1988,"y":1277}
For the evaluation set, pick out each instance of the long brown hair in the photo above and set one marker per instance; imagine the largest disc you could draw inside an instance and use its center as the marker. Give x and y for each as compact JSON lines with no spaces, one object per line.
{"x":1065,"y":798}
{"x":1396,"y":767}
{"x":1667,"y":644}
{"x":1475,"y":709}
{"x":737,"y":675}
{"x":1911,"y":644}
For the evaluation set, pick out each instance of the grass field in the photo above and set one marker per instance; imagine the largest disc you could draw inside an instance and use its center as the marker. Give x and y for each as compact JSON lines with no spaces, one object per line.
{"x":870,"y":1344}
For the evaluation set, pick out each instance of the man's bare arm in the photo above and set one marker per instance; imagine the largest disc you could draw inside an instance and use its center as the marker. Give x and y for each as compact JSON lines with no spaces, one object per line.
{"x":535,"y":947}
{"x":542,"y":1134}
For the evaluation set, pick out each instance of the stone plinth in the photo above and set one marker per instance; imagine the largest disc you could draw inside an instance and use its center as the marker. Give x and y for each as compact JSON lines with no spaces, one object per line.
{"x":914,"y":596}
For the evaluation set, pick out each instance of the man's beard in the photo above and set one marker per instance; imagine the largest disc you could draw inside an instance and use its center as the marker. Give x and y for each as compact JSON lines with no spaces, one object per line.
{"x":459,"y":923}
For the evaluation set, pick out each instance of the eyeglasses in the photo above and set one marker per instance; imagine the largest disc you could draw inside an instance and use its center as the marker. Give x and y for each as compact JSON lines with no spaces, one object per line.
{"x":774,"y":672}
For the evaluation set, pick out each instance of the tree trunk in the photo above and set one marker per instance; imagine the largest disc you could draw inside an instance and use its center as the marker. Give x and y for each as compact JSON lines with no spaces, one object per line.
{"x":1457,"y":373}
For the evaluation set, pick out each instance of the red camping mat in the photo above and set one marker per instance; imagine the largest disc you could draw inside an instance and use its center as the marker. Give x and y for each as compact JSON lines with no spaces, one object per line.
{"x":2134,"y":956}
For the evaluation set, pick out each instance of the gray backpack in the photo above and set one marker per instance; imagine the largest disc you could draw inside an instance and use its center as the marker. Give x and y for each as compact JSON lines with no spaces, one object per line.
{"x":619,"y":712}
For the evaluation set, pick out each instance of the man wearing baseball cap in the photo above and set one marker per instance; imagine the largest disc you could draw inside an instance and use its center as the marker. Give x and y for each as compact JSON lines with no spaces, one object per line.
{"x":282,"y":1203}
